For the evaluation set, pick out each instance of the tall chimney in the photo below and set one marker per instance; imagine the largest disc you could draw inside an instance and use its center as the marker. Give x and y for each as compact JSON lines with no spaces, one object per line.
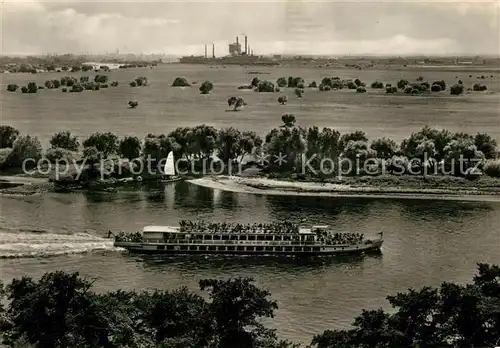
{"x":249,"y":50}
{"x":205,"y":51}
{"x":213,"y":51}
{"x":246,"y":45}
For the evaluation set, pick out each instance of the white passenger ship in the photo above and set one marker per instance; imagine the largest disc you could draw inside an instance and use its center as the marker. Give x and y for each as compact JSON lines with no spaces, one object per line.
{"x":258,"y":239}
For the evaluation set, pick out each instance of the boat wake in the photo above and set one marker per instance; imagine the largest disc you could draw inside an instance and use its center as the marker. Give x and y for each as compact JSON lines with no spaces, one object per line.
{"x":38,"y":243}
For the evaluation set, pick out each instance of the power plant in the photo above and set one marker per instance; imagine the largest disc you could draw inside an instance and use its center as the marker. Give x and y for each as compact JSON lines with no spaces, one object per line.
{"x":236,"y":56}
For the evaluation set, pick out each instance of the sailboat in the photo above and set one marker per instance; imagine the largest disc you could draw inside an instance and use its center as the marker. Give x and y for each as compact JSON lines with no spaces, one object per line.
{"x":169,"y":170}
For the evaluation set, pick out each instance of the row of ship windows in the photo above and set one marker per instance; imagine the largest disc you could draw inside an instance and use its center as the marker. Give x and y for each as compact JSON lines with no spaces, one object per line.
{"x":239,"y":248}
{"x":168,"y":236}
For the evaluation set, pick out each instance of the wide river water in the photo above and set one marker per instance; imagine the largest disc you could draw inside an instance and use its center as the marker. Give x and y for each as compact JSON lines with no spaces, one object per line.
{"x":426,"y":242}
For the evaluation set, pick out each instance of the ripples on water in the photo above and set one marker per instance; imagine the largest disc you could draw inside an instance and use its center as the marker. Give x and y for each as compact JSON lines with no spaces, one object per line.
{"x":426,"y":242}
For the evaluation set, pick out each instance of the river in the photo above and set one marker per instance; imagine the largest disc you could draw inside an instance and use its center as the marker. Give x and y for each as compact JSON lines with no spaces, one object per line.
{"x":426,"y":242}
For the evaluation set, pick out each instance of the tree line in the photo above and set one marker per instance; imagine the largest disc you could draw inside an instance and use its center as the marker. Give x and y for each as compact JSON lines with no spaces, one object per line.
{"x":60,"y":310}
{"x":428,"y":148}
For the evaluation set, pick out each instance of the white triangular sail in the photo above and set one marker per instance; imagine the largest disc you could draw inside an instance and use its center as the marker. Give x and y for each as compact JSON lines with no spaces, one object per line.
{"x":169,"y":165}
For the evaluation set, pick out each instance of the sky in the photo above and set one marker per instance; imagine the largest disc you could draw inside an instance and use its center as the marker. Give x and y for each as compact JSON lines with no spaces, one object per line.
{"x":399,"y":27}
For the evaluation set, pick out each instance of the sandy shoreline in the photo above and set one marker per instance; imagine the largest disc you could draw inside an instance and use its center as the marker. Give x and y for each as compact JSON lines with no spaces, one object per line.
{"x":276,"y":187}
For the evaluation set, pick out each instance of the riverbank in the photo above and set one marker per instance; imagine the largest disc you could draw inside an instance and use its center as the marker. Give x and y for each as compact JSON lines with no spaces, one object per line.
{"x":389,"y":186}
{"x":484,"y":189}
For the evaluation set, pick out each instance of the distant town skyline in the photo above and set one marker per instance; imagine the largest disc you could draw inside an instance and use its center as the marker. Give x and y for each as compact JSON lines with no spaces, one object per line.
{"x":277,"y":27}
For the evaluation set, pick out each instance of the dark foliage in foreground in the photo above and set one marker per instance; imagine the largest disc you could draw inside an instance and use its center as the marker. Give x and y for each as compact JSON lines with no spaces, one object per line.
{"x":60,"y":310}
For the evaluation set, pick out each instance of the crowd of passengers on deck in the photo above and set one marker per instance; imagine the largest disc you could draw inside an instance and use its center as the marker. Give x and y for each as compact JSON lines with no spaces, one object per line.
{"x":283,"y":227}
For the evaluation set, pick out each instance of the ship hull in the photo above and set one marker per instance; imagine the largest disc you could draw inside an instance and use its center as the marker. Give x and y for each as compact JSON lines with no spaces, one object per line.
{"x":165,"y":249}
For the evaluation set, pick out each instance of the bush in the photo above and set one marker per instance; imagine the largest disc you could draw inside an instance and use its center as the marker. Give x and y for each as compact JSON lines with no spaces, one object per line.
{"x":408,"y":89}
{"x":49,"y":84}
{"x":100,"y":79}
{"x":133,"y":84}
{"x":294,"y":82}
{"x":391,"y":89}
{"x":114,"y":84}
{"x":265,"y":86}
{"x":58,"y":154}
{"x":361,"y":89}
{"x":441,"y":84}
{"x":282,"y":82}
{"x":12,"y":87}
{"x":77,"y":88}
{"x":141,"y":81}
{"x":479,"y":87}
{"x":457,"y":89}
{"x":436,"y":88}
{"x":180,"y":82}
{"x":24,"y":89}
{"x":84,"y":79}
{"x":4,"y":154}
{"x":313,"y":85}
{"x":64,"y":89}
{"x":492,"y":168}
{"x":206,"y":87}
{"x":255,"y":81}
{"x":403,"y":83}
{"x":377,"y":84}
{"x":351,"y":85}
{"x":358,"y":82}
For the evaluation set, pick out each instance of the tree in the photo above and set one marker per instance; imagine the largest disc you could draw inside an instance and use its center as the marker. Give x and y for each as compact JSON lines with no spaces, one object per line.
{"x":180,"y":82}
{"x":288,"y":120}
{"x":295,"y":82}
{"x":178,"y":315}
{"x":486,"y":144}
{"x":298,"y":92}
{"x":48,"y":315}
{"x":130,"y":147}
{"x":12,"y":87}
{"x":157,"y":147}
{"x":236,"y":305}
{"x":206,"y":87}
{"x":49,"y":84}
{"x":385,"y":148}
{"x":8,"y":135}
{"x":462,"y":151}
{"x":450,"y":316}
{"x":237,"y":102}
{"x":282,"y":99}
{"x":249,"y":142}
{"x":255,"y":81}
{"x":64,"y":140}
{"x":24,"y":148}
{"x":457,"y":89}
{"x":105,"y":143}
{"x":355,"y":136}
{"x":228,"y":144}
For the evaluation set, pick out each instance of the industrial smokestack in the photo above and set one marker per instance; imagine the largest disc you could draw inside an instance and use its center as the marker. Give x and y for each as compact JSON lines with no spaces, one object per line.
{"x":205,"y":51}
{"x":246,"y":45}
{"x":213,"y":51}
{"x":237,"y":41}
{"x":249,"y":50}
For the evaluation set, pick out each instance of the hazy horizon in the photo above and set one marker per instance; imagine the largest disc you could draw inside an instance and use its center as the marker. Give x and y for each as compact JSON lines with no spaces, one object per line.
{"x":320,"y":28}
